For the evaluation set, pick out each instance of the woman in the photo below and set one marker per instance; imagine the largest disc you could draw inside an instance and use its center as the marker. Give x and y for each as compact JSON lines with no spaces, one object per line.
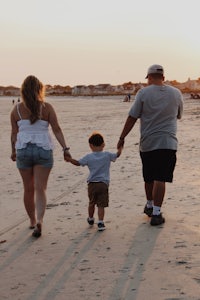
{"x":32,"y":147}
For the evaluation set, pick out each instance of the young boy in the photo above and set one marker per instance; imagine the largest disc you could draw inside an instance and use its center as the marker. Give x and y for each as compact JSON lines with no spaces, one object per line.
{"x":98,"y":180}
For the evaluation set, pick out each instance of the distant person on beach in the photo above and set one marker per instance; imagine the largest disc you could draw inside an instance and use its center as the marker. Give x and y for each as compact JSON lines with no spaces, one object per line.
{"x":32,"y":147}
{"x":127,"y":98}
{"x":13,"y":101}
{"x":98,"y":180}
{"x":158,"y":106}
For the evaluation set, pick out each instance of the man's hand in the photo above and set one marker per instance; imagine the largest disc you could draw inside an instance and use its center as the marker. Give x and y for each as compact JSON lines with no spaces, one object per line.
{"x":120,"y":143}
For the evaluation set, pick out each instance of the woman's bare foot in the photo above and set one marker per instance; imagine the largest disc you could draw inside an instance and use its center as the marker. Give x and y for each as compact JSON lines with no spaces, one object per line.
{"x":31,"y":226}
{"x":32,"y":223}
{"x":37,"y":231}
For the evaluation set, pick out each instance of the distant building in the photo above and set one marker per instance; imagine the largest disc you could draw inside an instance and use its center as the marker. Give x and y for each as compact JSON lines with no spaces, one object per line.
{"x":9,"y":91}
{"x":102,"y":89}
{"x":190,"y":86}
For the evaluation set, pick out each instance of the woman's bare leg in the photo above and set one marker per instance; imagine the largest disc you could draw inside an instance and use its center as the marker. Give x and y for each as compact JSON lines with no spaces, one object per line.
{"x":41,"y":175}
{"x":28,"y":182}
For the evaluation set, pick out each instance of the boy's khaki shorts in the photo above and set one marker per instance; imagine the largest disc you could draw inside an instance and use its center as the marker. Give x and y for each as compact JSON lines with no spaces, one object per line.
{"x":98,"y":194}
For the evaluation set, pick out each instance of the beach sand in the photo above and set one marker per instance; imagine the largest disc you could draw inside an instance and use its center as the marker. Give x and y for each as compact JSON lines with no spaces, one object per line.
{"x":129,"y":260}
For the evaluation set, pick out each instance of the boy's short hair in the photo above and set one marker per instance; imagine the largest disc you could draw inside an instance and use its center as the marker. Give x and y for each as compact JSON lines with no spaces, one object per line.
{"x":96,"y":139}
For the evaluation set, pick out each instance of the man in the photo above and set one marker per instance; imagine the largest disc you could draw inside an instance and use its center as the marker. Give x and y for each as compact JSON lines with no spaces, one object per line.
{"x":158,"y":106}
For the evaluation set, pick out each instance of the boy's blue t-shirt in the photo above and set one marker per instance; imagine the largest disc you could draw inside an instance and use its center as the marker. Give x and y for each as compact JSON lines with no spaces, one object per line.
{"x":99,"y":165}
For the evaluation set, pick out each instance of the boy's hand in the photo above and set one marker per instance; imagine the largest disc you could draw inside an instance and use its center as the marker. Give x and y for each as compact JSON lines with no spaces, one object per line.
{"x":72,"y":161}
{"x":119,"y":151}
{"x":68,"y":159}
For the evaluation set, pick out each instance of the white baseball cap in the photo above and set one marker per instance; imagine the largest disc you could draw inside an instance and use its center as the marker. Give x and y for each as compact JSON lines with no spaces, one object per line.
{"x":155,"y":69}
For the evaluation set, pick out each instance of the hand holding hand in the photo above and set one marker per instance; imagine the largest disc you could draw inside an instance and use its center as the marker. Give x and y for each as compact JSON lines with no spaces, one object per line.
{"x":66,"y":155}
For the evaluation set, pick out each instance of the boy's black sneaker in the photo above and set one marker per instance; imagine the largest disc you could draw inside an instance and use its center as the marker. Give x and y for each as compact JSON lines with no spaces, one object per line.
{"x":101,"y":227}
{"x":90,"y":221}
{"x":148,"y":211}
{"x":157,"y":220}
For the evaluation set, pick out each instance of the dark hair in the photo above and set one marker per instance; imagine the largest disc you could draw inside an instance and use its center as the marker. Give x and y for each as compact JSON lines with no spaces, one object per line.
{"x":156,"y":75}
{"x":32,"y":91}
{"x":96,"y":139}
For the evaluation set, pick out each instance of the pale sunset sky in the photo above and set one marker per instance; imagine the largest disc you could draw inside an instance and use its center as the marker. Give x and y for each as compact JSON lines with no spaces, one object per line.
{"x":72,"y":42}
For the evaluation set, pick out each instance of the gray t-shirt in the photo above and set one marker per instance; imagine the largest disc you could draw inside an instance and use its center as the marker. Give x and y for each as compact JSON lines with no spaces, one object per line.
{"x":99,"y":165}
{"x":158,"y":108}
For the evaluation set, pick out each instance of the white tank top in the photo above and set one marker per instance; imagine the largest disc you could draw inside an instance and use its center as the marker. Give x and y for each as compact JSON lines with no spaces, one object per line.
{"x":36,"y":133}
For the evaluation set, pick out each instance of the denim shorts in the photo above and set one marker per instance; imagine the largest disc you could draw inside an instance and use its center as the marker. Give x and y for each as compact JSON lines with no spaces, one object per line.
{"x":33,"y":155}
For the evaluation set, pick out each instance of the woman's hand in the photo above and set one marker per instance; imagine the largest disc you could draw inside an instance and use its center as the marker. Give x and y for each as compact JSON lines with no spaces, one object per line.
{"x":13,"y":156}
{"x":66,"y":155}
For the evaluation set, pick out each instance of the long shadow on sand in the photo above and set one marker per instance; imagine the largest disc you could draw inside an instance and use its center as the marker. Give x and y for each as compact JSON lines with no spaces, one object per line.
{"x":56,"y":287}
{"x":131,"y":274}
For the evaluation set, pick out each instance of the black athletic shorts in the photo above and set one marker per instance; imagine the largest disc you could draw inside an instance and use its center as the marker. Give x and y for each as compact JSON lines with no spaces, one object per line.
{"x":158,"y":165}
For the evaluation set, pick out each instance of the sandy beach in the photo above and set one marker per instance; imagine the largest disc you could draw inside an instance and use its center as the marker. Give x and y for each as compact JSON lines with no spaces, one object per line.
{"x":130,"y":260}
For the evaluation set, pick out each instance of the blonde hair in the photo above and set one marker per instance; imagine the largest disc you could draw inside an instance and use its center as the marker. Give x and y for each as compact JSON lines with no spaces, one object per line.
{"x":33,"y":92}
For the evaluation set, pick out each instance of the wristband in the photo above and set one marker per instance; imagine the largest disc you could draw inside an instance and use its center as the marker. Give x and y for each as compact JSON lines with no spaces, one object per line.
{"x":66,"y":149}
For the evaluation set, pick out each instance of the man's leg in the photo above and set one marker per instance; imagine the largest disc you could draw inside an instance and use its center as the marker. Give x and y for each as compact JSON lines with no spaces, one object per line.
{"x":158,"y":192}
{"x":158,"y":196}
{"x":148,"y":209}
{"x":149,"y":190}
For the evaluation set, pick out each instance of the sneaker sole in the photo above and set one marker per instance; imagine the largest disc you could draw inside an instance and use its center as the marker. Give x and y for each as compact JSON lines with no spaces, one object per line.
{"x":91,"y":223}
{"x":148,"y":214}
{"x":157,"y":224}
{"x":102,"y":229}
{"x":148,"y":211}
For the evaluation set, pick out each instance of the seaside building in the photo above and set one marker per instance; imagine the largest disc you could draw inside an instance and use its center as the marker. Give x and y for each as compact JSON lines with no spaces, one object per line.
{"x":102,"y":89}
{"x":190,"y":86}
